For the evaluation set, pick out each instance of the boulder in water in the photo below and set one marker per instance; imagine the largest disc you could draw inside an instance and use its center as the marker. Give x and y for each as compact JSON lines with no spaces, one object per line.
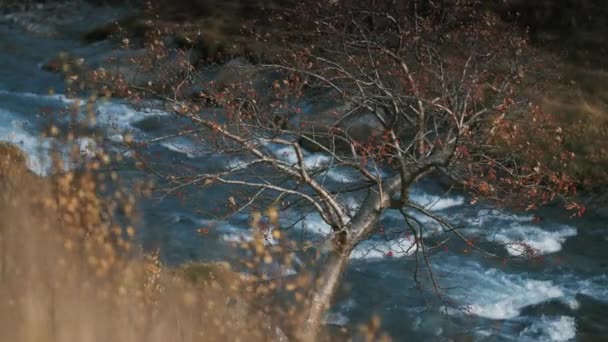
{"x":329,"y":123}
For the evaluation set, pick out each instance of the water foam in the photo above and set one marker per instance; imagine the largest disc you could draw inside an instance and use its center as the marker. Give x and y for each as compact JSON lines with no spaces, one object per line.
{"x":518,"y":238}
{"x":340,"y":176}
{"x":595,"y":287}
{"x":38,"y":160}
{"x":121,"y":116}
{"x":288,"y":154}
{"x":230,"y":233}
{"x":434,"y":202}
{"x":28,"y":95}
{"x":336,"y":318}
{"x":182,"y":147}
{"x":314,"y":223}
{"x":485,"y":216}
{"x":235,"y":163}
{"x":35,"y":148}
{"x":508,"y":304}
{"x":494,"y":294}
{"x":562,"y":328}
{"x":518,"y":233}
{"x":339,"y":315}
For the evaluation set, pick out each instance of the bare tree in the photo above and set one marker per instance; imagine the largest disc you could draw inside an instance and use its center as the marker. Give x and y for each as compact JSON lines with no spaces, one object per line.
{"x":393,"y":91}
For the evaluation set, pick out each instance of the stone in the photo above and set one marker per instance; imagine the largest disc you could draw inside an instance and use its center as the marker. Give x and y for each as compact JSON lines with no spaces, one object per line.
{"x":328,"y":122}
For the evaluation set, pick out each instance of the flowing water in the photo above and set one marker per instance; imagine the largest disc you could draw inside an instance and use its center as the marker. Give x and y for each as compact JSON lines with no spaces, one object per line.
{"x":561,"y":296}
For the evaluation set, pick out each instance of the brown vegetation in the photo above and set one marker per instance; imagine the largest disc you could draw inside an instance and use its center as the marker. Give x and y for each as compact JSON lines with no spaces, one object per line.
{"x":68,"y":274}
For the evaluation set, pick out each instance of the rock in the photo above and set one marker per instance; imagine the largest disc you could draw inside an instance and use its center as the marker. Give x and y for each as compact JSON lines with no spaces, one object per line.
{"x":596,"y":202}
{"x":128,"y":64}
{"x":134,"y":26}
{"x":235,"y":71}
{"x":151,"y":123}
{"x":52,"y":65}
{"x":246,"y":76}
{"x":131,"y":66}
{"x":329,"y":122}
{"x":65,"y":19}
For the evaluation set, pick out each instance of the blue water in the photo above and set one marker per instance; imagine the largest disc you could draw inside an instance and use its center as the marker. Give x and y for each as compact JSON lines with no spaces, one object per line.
{"x":564,"y":297}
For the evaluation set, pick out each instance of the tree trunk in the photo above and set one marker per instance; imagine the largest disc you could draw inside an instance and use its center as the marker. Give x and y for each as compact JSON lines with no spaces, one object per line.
{"x":360,"y":228}
{"x":323,"y":294}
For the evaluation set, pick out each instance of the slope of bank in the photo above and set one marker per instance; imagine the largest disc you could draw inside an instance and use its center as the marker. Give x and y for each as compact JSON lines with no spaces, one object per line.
{"x":65,"y":277}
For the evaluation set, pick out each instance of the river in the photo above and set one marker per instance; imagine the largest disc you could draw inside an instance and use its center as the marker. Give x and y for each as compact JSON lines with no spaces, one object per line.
{"x":564,"y":296}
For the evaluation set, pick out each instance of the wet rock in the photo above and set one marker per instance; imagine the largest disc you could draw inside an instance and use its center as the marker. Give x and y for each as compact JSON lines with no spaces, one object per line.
{"x":329,"y":123}
{"x":127,"y":64}
{"x":152,"y":123}
{"x":596,"y":202}
{"x":52,"y":65}
{"x":240,"y":73}
{"x":236,"y":71}
{"x":64,"y":19}
{"x":134,"y":26}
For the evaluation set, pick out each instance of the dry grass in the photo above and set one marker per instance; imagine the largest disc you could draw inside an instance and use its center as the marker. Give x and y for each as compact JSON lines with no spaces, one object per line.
{"x":581,"y":102}
{"x":67,"y":273}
